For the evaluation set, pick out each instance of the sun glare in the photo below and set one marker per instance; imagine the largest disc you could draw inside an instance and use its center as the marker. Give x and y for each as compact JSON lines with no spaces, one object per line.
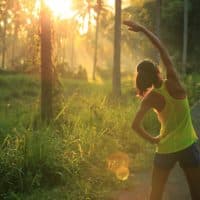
{"x":62,"y":8}
{"x":111,"y":3}
{"x":85,"y":21}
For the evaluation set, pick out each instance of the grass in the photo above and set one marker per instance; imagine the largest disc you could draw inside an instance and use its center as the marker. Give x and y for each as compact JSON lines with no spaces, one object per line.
{"x":67,"y":160}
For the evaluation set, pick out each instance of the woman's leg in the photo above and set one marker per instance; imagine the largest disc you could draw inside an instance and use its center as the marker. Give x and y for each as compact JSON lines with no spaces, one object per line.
{"x":193,"y":178}
{"x":159,"y":179}
{"x":190,"y":163}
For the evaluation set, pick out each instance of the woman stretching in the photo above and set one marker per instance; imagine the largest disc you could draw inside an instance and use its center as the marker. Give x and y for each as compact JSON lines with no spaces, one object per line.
{"x":177,"y":141}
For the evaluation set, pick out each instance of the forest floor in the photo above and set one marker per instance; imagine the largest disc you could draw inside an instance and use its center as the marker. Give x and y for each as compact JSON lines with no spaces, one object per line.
{"x":36,"y":163}
{"x":176,"y":187}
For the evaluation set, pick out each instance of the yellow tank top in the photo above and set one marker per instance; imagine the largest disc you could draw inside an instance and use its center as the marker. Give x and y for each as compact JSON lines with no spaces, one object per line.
{"x":176,"y":131}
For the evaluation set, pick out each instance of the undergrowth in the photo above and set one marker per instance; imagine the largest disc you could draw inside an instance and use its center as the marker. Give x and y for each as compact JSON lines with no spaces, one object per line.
{"x":67,"y":160}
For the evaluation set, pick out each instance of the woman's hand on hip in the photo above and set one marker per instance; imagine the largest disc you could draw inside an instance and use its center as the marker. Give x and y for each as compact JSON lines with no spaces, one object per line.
{"x":156,"y":139}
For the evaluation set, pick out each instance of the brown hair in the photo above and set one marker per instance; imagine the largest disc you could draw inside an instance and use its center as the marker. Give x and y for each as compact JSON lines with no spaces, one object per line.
{"x":147,"y":76}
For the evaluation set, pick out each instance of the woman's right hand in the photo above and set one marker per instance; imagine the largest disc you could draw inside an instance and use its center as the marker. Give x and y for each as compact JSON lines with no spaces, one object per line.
{"x":133,"y":26}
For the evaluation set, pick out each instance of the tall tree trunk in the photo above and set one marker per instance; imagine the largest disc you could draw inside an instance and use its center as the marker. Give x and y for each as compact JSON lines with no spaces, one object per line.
{"x":96,"y":45}
{"x":72,"y":49}
{"x":158,"y":16}
{"x":46,"y":65}
{"x":116,"y":84}
{"x":185,"y":37}
{"x":4,"y":44}
{"x":14,"y":42}
{"x":158,"y":22}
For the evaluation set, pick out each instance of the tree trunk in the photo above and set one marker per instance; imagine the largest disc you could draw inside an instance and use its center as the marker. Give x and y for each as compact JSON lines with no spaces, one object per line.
{"x":14,"y":42}
{"x":4,"y":45}
{"x":46,"y":65}
{"x":158,"y":16}
{"x":72,"y":49}
{"x":185,"y":37}
{"x":158,"y":22}
{"x":116,"y":85}
{"x":96,"y":45}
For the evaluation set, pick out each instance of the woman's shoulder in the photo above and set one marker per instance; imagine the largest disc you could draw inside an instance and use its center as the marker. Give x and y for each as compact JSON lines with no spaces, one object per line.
{"x":175,"y":89}
{"x":154,"y":100}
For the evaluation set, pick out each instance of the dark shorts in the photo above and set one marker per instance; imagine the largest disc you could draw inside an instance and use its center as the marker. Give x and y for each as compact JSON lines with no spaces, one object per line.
{"x":187,"y":158}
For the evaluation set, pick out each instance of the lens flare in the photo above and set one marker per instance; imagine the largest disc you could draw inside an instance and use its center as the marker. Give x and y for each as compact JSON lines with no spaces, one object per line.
{"x":118,"y":163}
{"x":122,"y":173}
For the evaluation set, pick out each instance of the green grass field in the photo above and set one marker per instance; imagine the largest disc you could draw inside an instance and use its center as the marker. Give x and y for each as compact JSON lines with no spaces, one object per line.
{"x":67,"y":160}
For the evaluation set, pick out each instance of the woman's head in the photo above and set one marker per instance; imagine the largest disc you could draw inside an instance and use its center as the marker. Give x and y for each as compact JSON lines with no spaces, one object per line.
{"x":148,"y":75}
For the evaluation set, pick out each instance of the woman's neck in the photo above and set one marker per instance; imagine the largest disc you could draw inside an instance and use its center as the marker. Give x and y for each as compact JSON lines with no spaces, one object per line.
{"x":159,"y":83}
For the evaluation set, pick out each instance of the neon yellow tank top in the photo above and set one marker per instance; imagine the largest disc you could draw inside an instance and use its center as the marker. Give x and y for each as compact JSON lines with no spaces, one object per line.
{"x":176,"y":131}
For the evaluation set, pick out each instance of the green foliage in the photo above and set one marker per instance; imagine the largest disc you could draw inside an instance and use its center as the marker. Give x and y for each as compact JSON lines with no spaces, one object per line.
{"x":18,"y":87}
{"x":171,"y":27}
{"x":72,"y":152}
{"x":67,"y":160}
{"x":65,"y":71}
{"x":192,"y":83}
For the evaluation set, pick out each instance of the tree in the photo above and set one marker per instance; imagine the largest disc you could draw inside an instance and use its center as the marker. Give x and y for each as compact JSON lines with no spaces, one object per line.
{"x":98,"y":10}
{"x":158,"y":22}
{"x":13,"y":17}
{"x":116,"y":82}
{"x":46,"y":65}
{"x":4,"y":15}
{"x":87,"y":11}
{"x":4,"y":43}
{"x":158,"y":16}
{"x":185,"y":36}
{"x":17,"y":12}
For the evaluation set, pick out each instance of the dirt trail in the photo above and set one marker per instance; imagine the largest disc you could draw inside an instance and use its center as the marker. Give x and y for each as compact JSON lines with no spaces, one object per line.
{"x":176,"y":188}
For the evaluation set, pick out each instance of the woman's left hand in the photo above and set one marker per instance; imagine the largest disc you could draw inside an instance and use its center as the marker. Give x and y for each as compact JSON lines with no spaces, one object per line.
{"x":156,"y":139}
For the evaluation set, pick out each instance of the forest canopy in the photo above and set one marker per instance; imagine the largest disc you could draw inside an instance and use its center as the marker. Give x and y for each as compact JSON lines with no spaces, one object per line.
{"x":74,"y":25}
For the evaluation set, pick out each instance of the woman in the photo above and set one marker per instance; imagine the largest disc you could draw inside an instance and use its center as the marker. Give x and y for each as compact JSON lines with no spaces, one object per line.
{"x":177,"y":139}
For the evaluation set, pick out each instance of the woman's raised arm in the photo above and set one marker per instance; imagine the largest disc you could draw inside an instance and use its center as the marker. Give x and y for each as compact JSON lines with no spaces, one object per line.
{"x":171,"y":72}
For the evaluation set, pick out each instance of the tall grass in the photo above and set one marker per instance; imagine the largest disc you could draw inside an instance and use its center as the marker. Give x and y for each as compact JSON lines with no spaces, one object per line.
{"x":67,"y":160}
